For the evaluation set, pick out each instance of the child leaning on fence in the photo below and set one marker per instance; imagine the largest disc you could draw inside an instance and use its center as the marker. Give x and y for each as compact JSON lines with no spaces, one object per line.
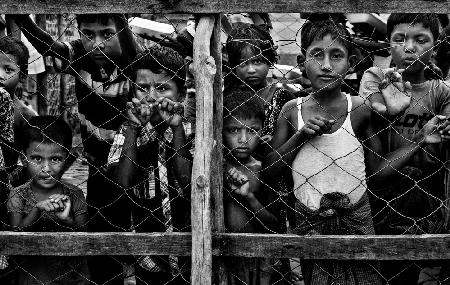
{"x":245,"y":200}
{"x":13,"y":70}
{"x":405,"y":100}
{"x":327,"y":140}
{"x":47,"y":204}
{"x":150,"y":158}
{"x":96,"y":60}
{"x":251,"y":53}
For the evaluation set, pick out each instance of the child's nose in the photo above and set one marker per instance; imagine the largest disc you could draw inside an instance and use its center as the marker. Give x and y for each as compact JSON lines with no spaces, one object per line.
{"x":409,"y":46}
{"x":99,"y":43}
{"x":326,"y":64}
{"x":243,"y":137}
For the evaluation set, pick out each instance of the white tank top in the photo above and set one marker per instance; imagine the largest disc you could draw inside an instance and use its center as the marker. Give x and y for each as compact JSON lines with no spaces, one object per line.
{"x":329,"y":163}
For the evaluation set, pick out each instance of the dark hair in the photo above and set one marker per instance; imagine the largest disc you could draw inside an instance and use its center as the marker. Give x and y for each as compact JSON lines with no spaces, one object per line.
{"x":317,"y":30}
{"x":242,"y":102}
{"x":158,"y":59}
{"x":94,"y":18}
{"x":429,"y":21}
{"x":17,"y":48}
{"x":257,"y":38}
{"x":47,"y":129}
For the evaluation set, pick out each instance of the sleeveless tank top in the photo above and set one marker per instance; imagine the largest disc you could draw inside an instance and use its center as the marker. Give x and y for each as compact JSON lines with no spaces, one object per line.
{"x":329,"y":163}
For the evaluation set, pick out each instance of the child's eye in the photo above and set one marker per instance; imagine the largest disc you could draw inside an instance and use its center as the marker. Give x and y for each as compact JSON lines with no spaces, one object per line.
{"x":421,"y":41}
{"x":89,"y":35}
{"x":9,"y":70}
{"x":233,"y":130}
{"x":337,"y":56}
{"x":35,"y":158}
{"x":56,"y":160}
{"x":398,"y":40}
{"x":317,"y":54}
{"x":257,"y":61}
{"x":109,"y":35}
{"x":162,"y":88}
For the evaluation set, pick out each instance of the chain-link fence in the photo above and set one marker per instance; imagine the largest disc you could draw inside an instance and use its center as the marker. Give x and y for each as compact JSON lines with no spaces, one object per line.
{"x":332,"y":125}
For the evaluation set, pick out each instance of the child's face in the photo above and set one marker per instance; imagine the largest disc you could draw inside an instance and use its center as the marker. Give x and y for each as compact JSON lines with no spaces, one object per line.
{"x":9,"y":72}
{"x":150,"y":86}
{"x":101,"y":41}
{"x":45,"y":163}
{"x":241,"y":136}
{"x":253,"y":69}
{"x":327,"y":61}
{"x":411,"y":46}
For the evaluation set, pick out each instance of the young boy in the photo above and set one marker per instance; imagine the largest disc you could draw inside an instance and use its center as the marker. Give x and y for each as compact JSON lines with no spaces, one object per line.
{"x":13,"y":70}
{"x":413,"y":204}
{"x":245,"y":202}
{"x":150,"y":158}
{"x":106,"y":47}
{"x":45,"y":203}
{"x":328,"y":142}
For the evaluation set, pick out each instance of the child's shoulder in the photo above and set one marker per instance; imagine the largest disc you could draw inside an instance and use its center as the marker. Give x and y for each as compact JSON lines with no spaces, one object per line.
{"x":72,"y":190}
{"x":290,"y":105}
{"x":360,"y":109}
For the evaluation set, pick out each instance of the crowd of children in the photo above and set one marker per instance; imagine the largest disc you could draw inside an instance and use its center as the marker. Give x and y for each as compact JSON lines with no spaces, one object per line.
{"x":325,"y":163}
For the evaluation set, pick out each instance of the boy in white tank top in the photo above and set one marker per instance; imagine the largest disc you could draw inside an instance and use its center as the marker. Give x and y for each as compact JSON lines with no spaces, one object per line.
{"x":326,"y":139}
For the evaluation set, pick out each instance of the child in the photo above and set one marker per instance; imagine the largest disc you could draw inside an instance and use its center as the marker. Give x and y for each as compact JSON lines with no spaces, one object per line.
{"x":106,"y":47}
{"x":413,"y":204}
{"x":45,"y":203}
{"x":150,"y":157}
{"x":328,"y":142}
{"x":13,"y":70}
{"x":251,"y":54}
{"x":244,"y":199}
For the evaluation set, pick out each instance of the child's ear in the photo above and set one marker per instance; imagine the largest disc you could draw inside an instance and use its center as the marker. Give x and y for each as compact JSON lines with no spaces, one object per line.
{"x":23,"y":159}
{"x":352,"y":61}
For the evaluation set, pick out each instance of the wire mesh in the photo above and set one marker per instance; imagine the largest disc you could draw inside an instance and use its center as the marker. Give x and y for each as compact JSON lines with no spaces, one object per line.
{"x":353,"y":141}
{"x":121,"y":91}
{"x":300,"y":156}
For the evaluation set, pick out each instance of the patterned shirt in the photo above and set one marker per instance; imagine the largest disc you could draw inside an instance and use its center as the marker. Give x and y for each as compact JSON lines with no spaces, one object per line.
{"x":6,"y":116}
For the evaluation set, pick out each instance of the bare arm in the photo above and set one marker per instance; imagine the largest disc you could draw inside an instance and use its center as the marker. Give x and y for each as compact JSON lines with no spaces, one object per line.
{"x":182,"y":162}
{"x":41,"y":40}
{"x":127,"y":40}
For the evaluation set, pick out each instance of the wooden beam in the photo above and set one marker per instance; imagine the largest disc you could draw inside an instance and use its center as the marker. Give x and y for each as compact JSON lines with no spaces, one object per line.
{"x":221,"y":6}
{"x":27,"y":243}
{"x":400,"y":247}
{"x":204,"y":70}
{"x":408,"y":247}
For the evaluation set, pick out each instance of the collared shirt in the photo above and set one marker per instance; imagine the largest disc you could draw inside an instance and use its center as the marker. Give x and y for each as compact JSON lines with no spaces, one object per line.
{"x":101,"y":99}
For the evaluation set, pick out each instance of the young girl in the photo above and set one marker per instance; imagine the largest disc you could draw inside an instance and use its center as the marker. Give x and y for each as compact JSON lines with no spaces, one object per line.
{"x":251,"y":54}
{"x":46,"y":204}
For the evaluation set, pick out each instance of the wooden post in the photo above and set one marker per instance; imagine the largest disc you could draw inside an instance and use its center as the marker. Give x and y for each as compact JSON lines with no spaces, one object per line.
{"x":204,"y":69}
{"x":220,"y":276}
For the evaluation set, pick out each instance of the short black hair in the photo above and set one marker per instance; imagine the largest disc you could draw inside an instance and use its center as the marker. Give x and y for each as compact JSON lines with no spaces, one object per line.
{"x":47,"y":129}
{"x":317,"y":30}
{"x":94,"y":18}
{"x":159,"y":58}
{"x":242,"y":102}
{"x":255,"y":37}
{"x":17,"y":48}
{"x":429,"y":21}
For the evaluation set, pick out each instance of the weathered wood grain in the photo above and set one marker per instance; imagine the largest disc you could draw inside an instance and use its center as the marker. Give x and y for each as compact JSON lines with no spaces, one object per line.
{"x":27,"y":243}
{"x":420,"y":247}
{"x":406,"y":247}
{"x":204,"y":70}
{"x":221,"y":6}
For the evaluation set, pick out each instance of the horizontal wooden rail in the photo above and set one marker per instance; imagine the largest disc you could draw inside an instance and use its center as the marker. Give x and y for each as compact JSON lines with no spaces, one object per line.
{"x":408,"y":247}
{"x":221,"y":6}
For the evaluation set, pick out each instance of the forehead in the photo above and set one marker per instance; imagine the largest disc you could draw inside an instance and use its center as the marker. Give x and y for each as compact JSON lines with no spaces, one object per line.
{"x":328,"y":42}
{"x":8,"y":58}
{"x":147,"y":76}
{"x":411,"y":30}
{"x":241,"y":122}
{"x":98,"y":25}
{"x":45,"y":148}
{"x":250,"y":51}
